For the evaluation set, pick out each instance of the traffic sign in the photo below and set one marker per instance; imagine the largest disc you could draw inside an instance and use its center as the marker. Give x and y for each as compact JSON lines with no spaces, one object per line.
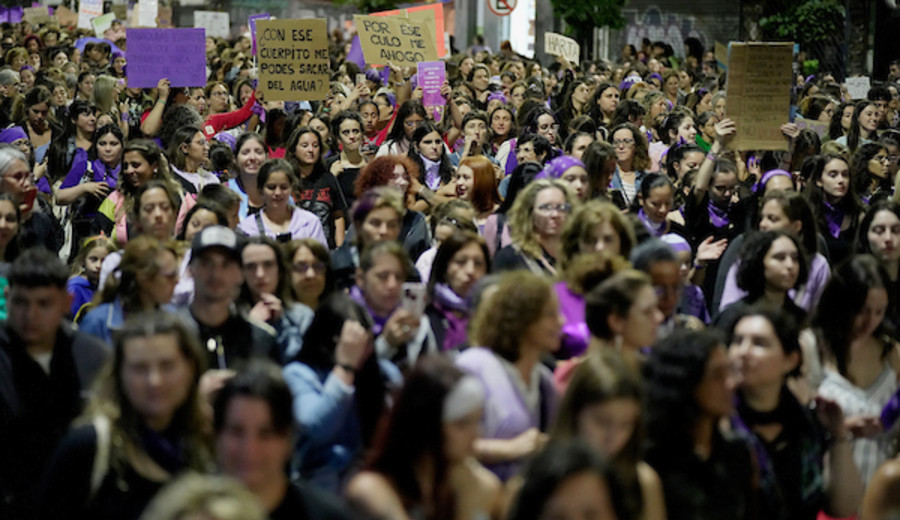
{"x":501,"y":7}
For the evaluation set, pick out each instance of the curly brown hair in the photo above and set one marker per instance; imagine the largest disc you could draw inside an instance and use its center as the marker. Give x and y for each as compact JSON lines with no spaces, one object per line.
{"x":502,"y":319}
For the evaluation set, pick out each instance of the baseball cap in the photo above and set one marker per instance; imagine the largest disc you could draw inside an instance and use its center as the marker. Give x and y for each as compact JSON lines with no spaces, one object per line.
{"x":219,"y":237}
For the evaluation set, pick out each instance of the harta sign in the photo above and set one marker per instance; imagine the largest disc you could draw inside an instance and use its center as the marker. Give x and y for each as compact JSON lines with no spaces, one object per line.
{"x":501,"y":7}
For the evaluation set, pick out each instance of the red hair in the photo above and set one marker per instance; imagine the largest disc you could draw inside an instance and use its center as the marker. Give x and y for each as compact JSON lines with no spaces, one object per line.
{"x":484,"y":190}
{"x":380,"y":171}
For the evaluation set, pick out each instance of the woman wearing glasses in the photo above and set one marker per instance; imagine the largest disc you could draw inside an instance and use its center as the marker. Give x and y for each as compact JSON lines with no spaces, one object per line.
{"x":312,"y":278}
{"x":870,"y":174}
{"x":409,"y":116}
{"x":189,"y":155}
{"x":536,"y":221}
{"x":632,"y":161}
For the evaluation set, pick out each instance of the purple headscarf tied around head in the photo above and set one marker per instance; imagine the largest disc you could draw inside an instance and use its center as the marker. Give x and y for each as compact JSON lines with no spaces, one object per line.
{"x":557,"y":167}
{"x":226,"y":138}
{"x":497,"y":95}
{"x":761,"y":185}
{"x":27,"y":67}
{"x":12,"y":134}
{"x":628,"y":82}
{"x":655,"y":75}
{"x":677,"y":242}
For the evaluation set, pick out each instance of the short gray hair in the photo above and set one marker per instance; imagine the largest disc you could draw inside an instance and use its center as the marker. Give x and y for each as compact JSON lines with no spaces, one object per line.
{"x":8,"y":77}
{"x":8,"y":155}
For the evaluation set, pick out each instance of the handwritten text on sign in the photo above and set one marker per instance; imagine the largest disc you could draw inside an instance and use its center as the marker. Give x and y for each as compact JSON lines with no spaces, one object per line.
{"x":389,"y":39}
{"x":559,"y":45}
{"x":293,"y":59}
{"x":176,"y":54}
{"x":759,"y":94}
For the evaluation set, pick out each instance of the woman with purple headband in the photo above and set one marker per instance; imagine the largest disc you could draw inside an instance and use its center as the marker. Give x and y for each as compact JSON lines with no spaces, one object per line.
{"x":570,"y":171}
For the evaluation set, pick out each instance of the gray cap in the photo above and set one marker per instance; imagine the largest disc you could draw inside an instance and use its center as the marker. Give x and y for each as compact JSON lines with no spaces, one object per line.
{"x":219,"y":237}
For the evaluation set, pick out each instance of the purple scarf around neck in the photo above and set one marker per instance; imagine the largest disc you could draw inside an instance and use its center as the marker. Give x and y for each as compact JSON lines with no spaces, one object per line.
{"x":378,"y":321}
{"x":104,"y":174}
{"x":834,"y":217}
{"x":655,"y":229}
{"x":448,"y":301}
{"x":718,"y":216}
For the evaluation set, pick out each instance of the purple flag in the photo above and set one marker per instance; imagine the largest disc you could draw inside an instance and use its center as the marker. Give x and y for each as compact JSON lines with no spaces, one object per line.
{"x":251,"y":21}
{"x":356,"y":54}
{"x":176,"y":54}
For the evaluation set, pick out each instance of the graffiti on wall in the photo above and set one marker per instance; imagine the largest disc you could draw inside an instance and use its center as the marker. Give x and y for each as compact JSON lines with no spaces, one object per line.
{"x":718,"y":22}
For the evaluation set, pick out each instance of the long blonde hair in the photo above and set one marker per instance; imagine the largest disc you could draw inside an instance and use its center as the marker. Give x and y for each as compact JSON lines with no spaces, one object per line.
{"x":521,"y":215}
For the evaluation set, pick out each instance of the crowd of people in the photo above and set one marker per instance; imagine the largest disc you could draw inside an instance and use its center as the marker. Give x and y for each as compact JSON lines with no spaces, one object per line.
{"x":561,"y":295}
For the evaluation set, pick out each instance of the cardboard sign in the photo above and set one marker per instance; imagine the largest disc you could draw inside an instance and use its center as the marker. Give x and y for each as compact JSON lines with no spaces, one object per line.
{"x":148,"y":10}
{"x":251,"y":21}
{"x":102,"y":23}
{"x":392,"y":39}
{"x":36,"y":15}
{"x":216,"y":23}
{"x":87,"y":11}
{"x":759,"y":93}
{"x":559,"y":45}
{"x":858,"y":88}
{"x":65,"y":16}
{"x":176,"y":54}
{"x":432,"y":15}
{"x":721,"y":54}
{"x":293,"y":59}
{"x":818,"y":127}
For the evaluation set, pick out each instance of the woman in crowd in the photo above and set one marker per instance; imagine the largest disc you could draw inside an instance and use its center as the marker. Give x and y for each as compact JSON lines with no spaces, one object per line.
{"x":572,"y":172}
{"x":462,"y":259}
{"x":476,"y":182}
{"x":346,"y":165}
{"x":870,"y":174}
{"x":424,"y":463}
{"x":139,"y":430}
{"x":603,"y":407}
{"x":91,"y":179}
{"x":603,"y":104}
{"x":401,"y":336}
{"x":772,"y":263}
{"x":861,"y":358}
{"x":863,"y":126}
{"x":189,"y":155}
{"x":312,"y":279}
{"x":502,"y":129}
{"x":339,"y":389}
{"x":655,"y":200}
{"x":249,"y":156}
{"x":279,"y":218}
{"x":706,"y":472}
{"x":838,"y":209}
{"x":536,"y":221}
{"x":879,"y":236}
{"x":410,"y":115}
{"x":142,"y":161}
{"x":317,"y":190}
{"x":632,"y":161}
{"x":434,"y":184}
{"x":565,"y":480}
{"x":266,"y":295}
{"x":805,"y":457}
{"x":146,"y":279}
{"x":840,"y":121}
{"x":397,"y":171}
{"x":254,"y":430}
{"x":514,"y":328}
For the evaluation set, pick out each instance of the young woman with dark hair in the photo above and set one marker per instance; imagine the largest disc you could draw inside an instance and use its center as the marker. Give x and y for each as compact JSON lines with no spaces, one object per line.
{"x":832,"y":194}
{"x":423,"y":466}
{"x":804,"y":454}
{"x":706,"y":472}
{"x":317,"y":191}
{"x":862,"y":361}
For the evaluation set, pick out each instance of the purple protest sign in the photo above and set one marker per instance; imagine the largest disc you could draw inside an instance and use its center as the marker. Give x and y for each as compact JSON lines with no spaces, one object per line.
{"x":431,"y":79}
{"x":176,"y":54}
{"x":251,"y":21}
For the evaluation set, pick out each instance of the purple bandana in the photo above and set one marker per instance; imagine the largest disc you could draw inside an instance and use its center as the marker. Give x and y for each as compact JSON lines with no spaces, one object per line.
{"x":718,"y":216}
{"x":654,"y":228}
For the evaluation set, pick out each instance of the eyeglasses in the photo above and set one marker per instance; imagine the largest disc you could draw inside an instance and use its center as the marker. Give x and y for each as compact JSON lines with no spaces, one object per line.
{"x":882,"y":158}
{"x":544,"y":128}
{"x":304,"y":267}
{"x":412,"y":124}
{"x":622,"y":142}
{"x":550,"y":208}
